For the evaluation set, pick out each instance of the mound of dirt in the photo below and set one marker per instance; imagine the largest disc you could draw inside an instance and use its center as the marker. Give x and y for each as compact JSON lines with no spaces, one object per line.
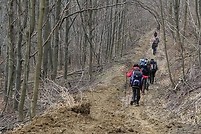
{"x":83,"y":108}
{"x":59,"y":120}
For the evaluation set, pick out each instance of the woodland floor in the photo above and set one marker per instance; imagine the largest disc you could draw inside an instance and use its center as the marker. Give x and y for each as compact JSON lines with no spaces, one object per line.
{"x":109,"y":107}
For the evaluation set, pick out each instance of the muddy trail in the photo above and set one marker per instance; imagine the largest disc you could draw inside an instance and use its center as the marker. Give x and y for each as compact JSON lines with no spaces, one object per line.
{"x":105,"y":106}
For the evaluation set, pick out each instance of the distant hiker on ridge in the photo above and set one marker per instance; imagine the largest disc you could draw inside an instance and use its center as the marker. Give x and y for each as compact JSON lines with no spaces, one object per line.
{"x":154,"y":42}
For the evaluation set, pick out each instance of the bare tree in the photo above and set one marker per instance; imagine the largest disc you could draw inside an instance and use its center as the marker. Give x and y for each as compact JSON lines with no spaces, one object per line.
{"x":178,"y":37}
{"x":21,"y":26}
{"x":29,"y":33}
{"x":67,"y":28}
{"x":198,"y":14}
{"x":11,"y":43}
{"x":47,"y":47}
{"x":185,"y":21}
{"x":56,"y":43}
{"x":39,"y":59}
{"x":165,"y":43}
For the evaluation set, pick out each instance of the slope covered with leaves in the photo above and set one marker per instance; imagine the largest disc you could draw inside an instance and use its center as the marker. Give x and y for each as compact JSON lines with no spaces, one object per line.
{"x":104,"y":107}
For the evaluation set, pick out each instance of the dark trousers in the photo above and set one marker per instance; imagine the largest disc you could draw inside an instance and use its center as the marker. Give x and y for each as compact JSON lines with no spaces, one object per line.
{"x":136,"y":94}
{"x":152,"y":76}
{"x":154,"y":50}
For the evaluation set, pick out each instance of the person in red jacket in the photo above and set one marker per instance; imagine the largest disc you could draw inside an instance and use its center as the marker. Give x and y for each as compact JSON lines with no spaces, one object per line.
{"x":135,"y":75}
{"x":135,"y":67}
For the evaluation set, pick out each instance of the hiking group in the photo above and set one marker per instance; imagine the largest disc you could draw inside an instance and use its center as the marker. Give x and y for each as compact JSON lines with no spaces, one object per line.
{"x":142,"y":74}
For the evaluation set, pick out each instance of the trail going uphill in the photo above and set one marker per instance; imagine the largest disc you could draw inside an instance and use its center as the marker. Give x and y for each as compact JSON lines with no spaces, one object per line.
{"x":110,"y":111}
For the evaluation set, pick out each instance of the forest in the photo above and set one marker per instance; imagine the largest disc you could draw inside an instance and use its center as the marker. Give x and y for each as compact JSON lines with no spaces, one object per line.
{"x":52,"y":51}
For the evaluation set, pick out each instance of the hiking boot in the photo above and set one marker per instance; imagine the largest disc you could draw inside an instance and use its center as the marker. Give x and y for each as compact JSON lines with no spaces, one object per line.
{"x":131,"y":103}
{"x":143,"y":93}
{"x":137,"y":104}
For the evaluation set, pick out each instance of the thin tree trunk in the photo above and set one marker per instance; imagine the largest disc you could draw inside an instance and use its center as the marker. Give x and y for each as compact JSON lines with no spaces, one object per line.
{"x":185,"y":20}
{"x":121,"y":36}
{"x":47,"y":47}
{"x":110,"y":34}
{"x":39,"y":58}
{"x":56,"y":43}
{"x":165,"y":43}
{"x":66,"y":44}
{"x":26,"y":62}
{"x":60,"y":59}
{"x":178,"y":38}
{"x":198,"y":12}
{"x":171,"y":17}
{"x":108,"y":39}
{"x":10,"y":52}
{"x":6,"y":74}
{"x":19,"y":53}
{"x":84,"y":47}
{"x":90,"y":40}
{"x":114,"y":30}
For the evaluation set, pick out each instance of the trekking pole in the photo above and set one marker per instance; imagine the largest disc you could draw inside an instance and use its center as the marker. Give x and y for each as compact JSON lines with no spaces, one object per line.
{"x":126,"y":86}
{"x":127,"y":91}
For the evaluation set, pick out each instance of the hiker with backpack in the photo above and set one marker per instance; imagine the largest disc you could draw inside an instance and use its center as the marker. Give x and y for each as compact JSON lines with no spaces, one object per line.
{"x":155,"y":42}
{"x":144,"y":66}
{"x":153,"y":69}
{"x":136,"y":83}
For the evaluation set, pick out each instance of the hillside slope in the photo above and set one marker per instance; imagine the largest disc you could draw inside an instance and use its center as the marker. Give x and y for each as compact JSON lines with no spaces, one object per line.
{"x":105,"y":106}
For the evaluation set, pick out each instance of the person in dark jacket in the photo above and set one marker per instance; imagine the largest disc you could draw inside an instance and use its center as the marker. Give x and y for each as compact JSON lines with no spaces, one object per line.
{"x":153,"y":69}
{"x":146,"y":73}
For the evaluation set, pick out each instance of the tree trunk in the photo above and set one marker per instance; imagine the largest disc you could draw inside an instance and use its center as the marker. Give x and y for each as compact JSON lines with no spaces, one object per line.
{"x":19,"y":53}
{"x":26,"y":62}
{"x":56,"y":43}
{"x":165,"y":43}
{"x":121,"y":36}
{"x":110,"y":34}
{"x":185,"y":21}
{"x":171,"y":17}
{"x":178,"y":38}
{"x":10,"y":52}
{"x":83,"y":17}
{"x":90,"y":40}
{"x":47,"y":47}
{"x":114,"y":27}
{"x":60,"y":59}
{"x":39,"y":58}
{"x":108,"y":30}
{"x":198,"y":13}
{"x":67,"y":28}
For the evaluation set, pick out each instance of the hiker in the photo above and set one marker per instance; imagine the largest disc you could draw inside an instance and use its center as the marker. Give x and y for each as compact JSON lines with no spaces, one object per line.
{"x":153,"y":69}
{"x":145,"y":67}
{"x":136,"y":83}
{"x":155,"y":42}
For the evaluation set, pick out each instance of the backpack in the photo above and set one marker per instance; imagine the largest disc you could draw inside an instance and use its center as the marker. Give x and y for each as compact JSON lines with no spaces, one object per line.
{"x":142,"y":62}
{"x":145,"y":70}
{"x":153,"y":66}
{"x":135,"y":79}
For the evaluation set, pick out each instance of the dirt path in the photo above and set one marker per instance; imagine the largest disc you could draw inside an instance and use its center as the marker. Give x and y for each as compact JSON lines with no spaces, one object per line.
{"x":134,"y":119}
{"x":110,"y":110}
{"x":110,"y":106}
